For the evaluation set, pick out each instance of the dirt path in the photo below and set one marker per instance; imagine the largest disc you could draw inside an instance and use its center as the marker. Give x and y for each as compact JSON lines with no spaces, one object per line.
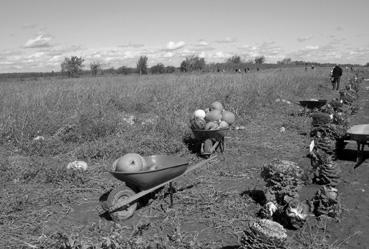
{"x":354,"y":188}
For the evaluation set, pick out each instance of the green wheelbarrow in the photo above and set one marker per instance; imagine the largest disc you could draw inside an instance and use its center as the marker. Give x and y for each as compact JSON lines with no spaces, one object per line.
{"x":121,"y":202}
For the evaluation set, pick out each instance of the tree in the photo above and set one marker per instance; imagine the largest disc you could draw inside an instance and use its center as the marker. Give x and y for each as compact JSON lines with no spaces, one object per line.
{"x":72,"y":66}
{"x":193,"y":63}
{"x":157,"y":69}
{"x":259,"y":60}
{"x":125,"y":70}
{"x":285,"y":61}
{"x":142,"y":65}
{"x":367,"y":64}
{"x":95,"y":68}
{"x":235,"y":59}
{"x":170,"y":69}
{"x":183,"y":67}
{"x":110,"y":70}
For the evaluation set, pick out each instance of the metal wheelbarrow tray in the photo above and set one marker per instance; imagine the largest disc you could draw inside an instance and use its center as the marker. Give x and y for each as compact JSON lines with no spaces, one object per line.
{"x":168,"y":167}
{"x":313,"y":103}
{"x":360,"y":134}
{"x":122,"y":201}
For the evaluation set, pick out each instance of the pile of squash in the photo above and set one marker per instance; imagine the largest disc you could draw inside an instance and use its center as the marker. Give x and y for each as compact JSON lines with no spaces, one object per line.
{"x":213,"y":118}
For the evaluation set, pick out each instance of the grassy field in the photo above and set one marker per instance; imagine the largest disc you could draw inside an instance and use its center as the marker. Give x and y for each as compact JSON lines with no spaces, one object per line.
{"x":95,"y":108}
{"x":98,"y":119}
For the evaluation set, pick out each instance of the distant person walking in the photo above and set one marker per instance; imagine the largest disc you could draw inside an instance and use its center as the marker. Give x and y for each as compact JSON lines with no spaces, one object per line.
{"x":336,"y":77}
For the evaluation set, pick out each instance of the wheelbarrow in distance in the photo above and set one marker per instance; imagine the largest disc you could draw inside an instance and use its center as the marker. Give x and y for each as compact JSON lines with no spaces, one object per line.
{"x":122,"y":201}
{"x":312,"y":104}
{"x":211,"y":140}
{"x":360,"y":134}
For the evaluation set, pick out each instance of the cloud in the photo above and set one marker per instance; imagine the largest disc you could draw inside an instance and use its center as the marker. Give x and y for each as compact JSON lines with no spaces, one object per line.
{"x":221,"y":55}
{"x":325,"y":53}
{"x":168,"y":55}
{"x":339,"y":28}
{"x":226,"y":40}
{"x":201,"y":46}
{"x":356,"y":55}
{"x":40,"y":41}
{"x":202,"y":43}
{"x":202,"y":54}
{"x":29,"y":26}
{"x":312,"y":47}
{"x":132,"y":45}
{"x":304,"y":39}
{"x":270,"y":50}
{"x":175,"y":45}
{"x":6,"y":53}
{"x":35,"y":55}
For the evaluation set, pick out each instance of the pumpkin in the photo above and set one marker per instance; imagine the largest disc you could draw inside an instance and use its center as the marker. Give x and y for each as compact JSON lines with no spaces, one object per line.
{"x":223,"y":125}
{"x":211,"y":126}
{"x":130,"y":163}
{"x":216,"y":106}
{"x":214,"y":115}
{"x":229,"y":117}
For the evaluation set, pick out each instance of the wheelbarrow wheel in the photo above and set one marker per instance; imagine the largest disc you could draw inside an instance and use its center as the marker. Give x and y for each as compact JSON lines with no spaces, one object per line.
{"x":115,"y":198}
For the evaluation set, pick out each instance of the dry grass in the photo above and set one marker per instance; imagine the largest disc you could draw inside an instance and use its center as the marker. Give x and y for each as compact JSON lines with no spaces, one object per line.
{"x":37,"y":187}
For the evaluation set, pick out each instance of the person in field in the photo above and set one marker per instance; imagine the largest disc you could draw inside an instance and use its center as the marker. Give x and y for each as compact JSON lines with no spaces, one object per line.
{"x":336,"y":77}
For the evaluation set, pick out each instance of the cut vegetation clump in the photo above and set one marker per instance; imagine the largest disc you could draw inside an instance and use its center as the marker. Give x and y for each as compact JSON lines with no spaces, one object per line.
{"x":264,"y":234}
{"x":284,"y":180}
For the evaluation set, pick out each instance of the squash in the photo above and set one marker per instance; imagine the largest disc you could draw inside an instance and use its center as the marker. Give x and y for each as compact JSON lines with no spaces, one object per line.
{"x":229,"y":117}
{"x":198,"y":123}
{"x":211,"y":126}
{"x":214,"y":115}
{"x":216,"y":106}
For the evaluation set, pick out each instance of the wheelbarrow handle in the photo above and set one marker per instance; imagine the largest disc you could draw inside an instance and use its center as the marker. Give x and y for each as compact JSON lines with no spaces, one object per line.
{"x":145,"y":192}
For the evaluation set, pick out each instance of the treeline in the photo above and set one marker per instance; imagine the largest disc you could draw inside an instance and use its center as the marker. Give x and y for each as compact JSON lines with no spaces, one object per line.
{"x":74,"y":67}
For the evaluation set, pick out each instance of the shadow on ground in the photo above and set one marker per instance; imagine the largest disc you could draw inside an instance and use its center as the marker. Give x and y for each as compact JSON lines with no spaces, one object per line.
{"x":256,"y":195}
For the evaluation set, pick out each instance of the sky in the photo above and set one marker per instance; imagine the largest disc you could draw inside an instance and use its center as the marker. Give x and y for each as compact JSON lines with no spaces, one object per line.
{"x":36,"y":35}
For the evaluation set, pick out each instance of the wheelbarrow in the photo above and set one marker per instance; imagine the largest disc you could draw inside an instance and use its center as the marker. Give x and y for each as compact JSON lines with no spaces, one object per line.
{"x":121,"y":202}
{"x":211,"y":140}
{"x":312,"y":103}
{"x":360,"y":134}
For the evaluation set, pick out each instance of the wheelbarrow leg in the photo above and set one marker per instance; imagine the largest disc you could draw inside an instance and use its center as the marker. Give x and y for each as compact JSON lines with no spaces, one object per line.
{"x":360,"y":153}
{"x":171,"y":192}
{"x":221,"y":145}
{"x":207,"y":147}
{"x":215,"y":146}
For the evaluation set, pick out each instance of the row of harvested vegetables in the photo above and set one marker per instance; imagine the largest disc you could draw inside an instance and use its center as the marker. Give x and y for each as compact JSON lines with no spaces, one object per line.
{"x":282,"y":207}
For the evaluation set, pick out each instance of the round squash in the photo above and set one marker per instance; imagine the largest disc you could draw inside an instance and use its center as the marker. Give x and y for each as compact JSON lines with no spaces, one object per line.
{"x":130,"y":163}
{"x":223,"y":125}
{"x":198,"y":123}
{"x":216,"y":106}
{"x":229,"y":117}
{"x":214,"y":115}
{"x":199,"y":113}
{"x":211,"y":126}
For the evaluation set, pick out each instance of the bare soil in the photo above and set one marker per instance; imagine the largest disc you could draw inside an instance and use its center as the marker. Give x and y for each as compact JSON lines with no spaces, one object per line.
{"x":212,"y":205}
{"x":233,"y":184}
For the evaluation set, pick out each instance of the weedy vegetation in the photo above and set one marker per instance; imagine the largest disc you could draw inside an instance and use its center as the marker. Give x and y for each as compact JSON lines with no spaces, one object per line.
{"x":98,"y":119}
